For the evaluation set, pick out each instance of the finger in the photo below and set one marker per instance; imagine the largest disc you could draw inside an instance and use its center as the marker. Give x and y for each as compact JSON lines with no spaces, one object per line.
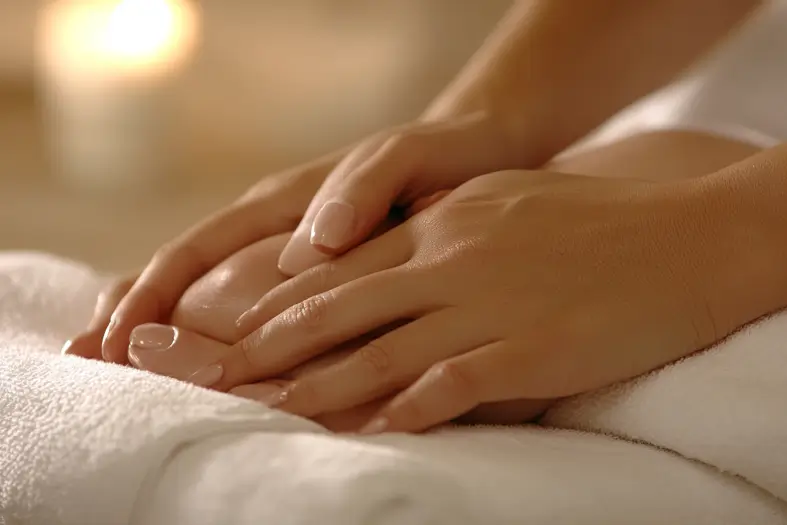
{"x":383,"y":366}
{"x":183,"y":261}
{"x":388,"y":251}
{"x":178,"y":353}
{"x":263,"y":391}
{"x":344,"y":421}
{"x":411,"y":163}
{"x":323,"y":321}
{"x":300,"y":255}
{"x":171,"y":351}
{"x":448,"y":390}
{"x":88,"y":343}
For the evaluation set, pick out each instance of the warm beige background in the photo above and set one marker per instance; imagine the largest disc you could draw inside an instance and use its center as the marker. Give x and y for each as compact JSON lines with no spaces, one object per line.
{"x":274,"y":83}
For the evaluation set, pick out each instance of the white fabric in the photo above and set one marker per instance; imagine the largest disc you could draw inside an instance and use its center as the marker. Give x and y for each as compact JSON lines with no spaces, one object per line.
{"x":85,"y":443}
{"x":739,"y":91}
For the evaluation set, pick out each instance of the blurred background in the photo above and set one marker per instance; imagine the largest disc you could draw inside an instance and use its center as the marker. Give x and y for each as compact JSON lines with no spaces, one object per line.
{"x":123,"y":122}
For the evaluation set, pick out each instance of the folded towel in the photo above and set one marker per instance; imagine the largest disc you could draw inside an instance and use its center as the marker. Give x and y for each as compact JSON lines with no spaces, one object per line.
{"x":91,"y":443}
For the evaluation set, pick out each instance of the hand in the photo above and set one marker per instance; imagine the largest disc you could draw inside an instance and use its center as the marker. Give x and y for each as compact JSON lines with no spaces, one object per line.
{"x":516,"y":286}
{"x":188,"y":350}
{"x":398,"y":167}
{"x":205,"y":320}
{"x":274,"y":205}
{"x":88,"y":343}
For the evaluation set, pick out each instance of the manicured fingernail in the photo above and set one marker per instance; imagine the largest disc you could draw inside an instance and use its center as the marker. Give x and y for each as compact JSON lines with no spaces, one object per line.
{"x":152,"y":336}
{"x":299,"y":255}
{"x":255,"y":392}
{"x":207,"y":376}
{"x":277,"y":398}
{"x":110,"y":329}
{"x":333,"y":225}
{"x":107,"y":334}
{"x":375,"y":426}
{"x":66,"y":346}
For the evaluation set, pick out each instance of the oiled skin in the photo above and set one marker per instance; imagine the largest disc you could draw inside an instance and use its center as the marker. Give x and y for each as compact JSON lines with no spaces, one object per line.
{"x":213,"y":303}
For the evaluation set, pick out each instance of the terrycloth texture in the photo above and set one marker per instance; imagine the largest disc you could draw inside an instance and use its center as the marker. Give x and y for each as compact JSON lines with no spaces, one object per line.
{"x":85,"y":443}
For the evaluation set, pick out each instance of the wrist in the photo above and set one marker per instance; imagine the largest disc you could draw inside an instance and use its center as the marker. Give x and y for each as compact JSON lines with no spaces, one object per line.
{"x":743,"y":224}
{"x":506,"y":110}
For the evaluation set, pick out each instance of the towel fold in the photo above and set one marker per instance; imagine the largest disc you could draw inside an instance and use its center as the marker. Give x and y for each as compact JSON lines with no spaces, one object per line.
{"x":82,"y":442}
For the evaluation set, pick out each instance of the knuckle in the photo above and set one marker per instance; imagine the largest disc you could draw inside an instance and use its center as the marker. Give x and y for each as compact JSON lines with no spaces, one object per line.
{"x":145,"y":295}
{"x":325,"y":275}
{"x":114,"y":292}
{"x":376,"y":356}
{"x":174,"y":251}
{"x":166,"y":251}
{"x":411,"y":410}
{"x":308,"y":314}
{"x":404,"y":142}
{"x":178,"y":254}
{"x":248,"y":348}
{"x":454,"y":379}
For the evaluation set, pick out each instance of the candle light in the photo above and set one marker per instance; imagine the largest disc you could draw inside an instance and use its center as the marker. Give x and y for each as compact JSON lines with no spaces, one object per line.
{"x":106,"y":70}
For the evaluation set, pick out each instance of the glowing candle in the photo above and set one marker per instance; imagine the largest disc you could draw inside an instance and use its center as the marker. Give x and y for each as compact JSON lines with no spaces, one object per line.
{"x":106,"y":69}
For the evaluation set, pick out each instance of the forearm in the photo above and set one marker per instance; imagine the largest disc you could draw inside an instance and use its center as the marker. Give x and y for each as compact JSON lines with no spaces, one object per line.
{"x":743,"y":209}
{"x":567,"y":65}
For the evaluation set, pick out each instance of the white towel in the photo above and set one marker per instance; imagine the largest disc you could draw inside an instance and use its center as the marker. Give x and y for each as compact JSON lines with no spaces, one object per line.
{"x":87,"y":443}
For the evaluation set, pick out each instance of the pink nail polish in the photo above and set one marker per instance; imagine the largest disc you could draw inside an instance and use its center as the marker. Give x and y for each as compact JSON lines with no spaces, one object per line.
{"x":207,"y":376}
{"x":333,"y":225}
{"x":107,"y":334}
{"x":276,"y":398}
{"x":255,"y":392}
{"x":375,"y":426}
{"x":152,"y":336}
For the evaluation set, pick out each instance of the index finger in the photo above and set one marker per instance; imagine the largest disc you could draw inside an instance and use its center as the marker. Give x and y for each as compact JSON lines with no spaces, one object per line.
{"x":178,"y":264}
{"x":307,"y":329}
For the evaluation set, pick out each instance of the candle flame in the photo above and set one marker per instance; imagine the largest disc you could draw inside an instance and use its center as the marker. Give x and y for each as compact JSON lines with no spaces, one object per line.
{"x":147,"y":30}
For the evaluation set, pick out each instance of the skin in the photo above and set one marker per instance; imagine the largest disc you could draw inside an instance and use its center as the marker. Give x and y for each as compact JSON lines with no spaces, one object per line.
{"x":528,"y":285}
{"x":515,"y":106}
{"x":211,"y":306}
{"x":205,"y":317}
{"x":541,"y":81}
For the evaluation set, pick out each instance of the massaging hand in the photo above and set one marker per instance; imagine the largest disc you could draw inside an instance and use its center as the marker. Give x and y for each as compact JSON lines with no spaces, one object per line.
{"x":205,"y":318}
{"x":402,"y":165}
{"x":272,"y":206}
{"x":396,"y":168}
{"x":515,"y":286}
{"x":186,"y":349}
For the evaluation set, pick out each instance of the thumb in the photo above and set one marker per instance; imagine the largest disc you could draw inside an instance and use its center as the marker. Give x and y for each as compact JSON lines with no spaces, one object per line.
{"x":88,"y":343}
{"x":405,"y":166}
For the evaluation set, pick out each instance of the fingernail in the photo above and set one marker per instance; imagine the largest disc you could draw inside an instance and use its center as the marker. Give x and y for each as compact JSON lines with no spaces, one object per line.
{"x":299,"y":255}
{"x":152,"y":336}
{"x":66,"y":346}
{"x":276,"y":398}
{"x":375,"y":426}
{"x":110,"y":328}
{"x":207,"y":376}
{"x":333,"y":225}
{"x":246,"y":316}
{"x":148,"y":339}
{"x":255,"y":392}
{"x":107,"y":334}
